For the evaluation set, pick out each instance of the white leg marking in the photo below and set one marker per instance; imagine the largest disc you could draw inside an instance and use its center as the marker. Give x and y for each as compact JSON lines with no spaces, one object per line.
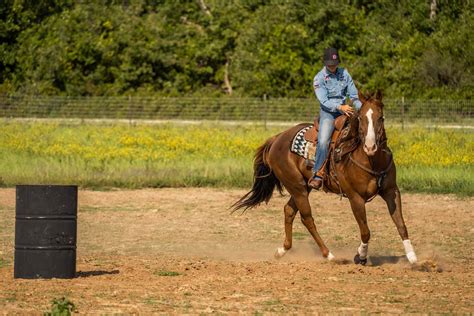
{"x":370,"y":137}
{"x":280,"y":252}
{"x":363,"y":249}
{"x":411,"y":256}
{"x":331,"y":256}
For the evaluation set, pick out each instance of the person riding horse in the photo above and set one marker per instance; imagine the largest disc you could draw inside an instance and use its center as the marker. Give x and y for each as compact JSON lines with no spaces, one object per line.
{"x":332,"y":85}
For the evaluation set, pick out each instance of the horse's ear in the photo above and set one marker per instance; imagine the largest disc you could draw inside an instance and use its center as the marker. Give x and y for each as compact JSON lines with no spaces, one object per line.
{"x":362,"y":97}
{"x":378,"y":95}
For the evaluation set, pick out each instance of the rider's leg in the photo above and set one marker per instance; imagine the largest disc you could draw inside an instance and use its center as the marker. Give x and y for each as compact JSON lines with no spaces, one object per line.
{"x":326,"y":127}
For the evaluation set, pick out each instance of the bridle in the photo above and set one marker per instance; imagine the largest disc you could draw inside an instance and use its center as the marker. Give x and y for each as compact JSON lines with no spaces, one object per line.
{"x":380,"y":139}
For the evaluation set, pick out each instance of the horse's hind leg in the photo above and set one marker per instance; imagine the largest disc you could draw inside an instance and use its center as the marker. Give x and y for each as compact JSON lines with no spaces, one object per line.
{"x":394,"y":204}
{"x":302,"y":203}
{"x":290,"y":211}
{"x":358,"y":208}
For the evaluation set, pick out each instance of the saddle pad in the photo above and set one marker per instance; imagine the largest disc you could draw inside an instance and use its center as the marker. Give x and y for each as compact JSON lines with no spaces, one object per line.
{"x":302,"y":147}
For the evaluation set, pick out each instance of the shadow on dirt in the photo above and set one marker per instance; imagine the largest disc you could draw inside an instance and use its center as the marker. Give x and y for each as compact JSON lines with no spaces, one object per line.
{"x":381,"y":260}
{"x":86,"y":274}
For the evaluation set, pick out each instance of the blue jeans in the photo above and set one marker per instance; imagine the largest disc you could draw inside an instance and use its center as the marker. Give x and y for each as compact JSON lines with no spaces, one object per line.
{"x":326,"y":127}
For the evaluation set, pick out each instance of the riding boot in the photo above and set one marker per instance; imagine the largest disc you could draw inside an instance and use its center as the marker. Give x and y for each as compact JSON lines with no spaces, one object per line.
{"x":322,"y":172}
{"x":317,"y":180}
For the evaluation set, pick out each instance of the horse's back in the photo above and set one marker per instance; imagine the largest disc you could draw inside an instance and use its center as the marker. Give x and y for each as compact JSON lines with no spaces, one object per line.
{"x":285,"y":163}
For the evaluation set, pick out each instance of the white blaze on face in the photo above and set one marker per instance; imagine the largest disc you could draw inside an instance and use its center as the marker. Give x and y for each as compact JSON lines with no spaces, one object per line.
{"x":370,"y":137}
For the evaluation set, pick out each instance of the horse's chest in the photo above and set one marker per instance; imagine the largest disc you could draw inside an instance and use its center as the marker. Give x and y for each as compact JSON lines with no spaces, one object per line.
{"x":371,"y":189}
{"x":361,"y":184}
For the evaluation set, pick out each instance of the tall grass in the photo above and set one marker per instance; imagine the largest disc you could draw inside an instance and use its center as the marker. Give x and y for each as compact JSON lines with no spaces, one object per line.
{"x":100,"y":157}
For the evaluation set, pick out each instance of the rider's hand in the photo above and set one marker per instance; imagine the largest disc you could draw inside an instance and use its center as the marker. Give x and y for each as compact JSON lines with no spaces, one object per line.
{"x":346,"y":109}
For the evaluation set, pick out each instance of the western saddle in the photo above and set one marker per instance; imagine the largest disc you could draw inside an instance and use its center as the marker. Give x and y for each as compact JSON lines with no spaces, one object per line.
{"x":311,"y":134}
{"x":341,"y":142}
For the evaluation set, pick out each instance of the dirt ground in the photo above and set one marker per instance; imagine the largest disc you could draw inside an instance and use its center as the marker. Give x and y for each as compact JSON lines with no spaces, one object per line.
{"x":180,"y":251}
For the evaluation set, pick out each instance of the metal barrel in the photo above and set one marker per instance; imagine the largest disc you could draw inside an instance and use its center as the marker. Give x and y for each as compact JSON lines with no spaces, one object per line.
{"x":45,"y":231}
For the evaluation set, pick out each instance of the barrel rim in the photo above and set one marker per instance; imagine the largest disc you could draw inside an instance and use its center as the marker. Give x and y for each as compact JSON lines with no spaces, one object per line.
{"x":62,"y":247}
{"x":47,"y":185}
{"x":49,"y":217}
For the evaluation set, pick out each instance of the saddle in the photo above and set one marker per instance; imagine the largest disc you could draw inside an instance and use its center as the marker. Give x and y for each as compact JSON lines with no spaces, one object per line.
{"x":340,"y":145}
{"x":311,"y":134}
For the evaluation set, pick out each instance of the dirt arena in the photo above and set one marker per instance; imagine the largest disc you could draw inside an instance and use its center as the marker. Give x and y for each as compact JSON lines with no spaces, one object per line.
{"x":181,"y":251}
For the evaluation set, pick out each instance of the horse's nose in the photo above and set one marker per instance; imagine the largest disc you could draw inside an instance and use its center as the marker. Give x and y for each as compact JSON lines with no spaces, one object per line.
{"x":370,"y":149}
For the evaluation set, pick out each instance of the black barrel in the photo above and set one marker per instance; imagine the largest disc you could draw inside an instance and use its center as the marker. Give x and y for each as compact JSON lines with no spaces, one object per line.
{"x":45,"y":231}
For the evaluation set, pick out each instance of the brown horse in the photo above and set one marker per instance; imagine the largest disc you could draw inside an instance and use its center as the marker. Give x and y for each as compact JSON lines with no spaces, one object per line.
{"x":360,"y":175}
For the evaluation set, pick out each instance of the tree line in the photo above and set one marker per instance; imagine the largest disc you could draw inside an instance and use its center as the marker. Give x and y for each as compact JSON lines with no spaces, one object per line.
{"x":411,"y":48}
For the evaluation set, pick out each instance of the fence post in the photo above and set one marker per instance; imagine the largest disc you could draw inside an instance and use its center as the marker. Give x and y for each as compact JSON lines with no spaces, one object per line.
{"x":402,"y":110}
{"x":130,"y":110}
{"x":309,"y":113}
{"x":265,"y":110}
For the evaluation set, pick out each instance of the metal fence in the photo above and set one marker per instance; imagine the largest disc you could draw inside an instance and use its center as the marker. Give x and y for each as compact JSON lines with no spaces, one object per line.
{"x":400,"y":111}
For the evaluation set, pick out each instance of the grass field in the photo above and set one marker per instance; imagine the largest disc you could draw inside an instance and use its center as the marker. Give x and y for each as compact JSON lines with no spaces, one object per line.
{"x":119,"y":155}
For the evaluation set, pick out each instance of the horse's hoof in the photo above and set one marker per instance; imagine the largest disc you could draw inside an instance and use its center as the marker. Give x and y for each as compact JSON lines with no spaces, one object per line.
{"x":358,"y":260}
{"x":330,"y":257}
{"x":411,"y":256}
{"x":280,"y":252}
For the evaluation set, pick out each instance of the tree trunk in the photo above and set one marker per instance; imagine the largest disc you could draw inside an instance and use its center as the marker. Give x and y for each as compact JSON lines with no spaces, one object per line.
{"x":204,"y":7}
{"x":227,"y":84}
{"x":433,"y":10}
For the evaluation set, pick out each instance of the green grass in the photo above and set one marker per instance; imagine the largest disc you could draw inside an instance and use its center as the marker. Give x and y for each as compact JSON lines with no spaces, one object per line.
{"x":3,"y":263}
{"x":20,"y":168}
{"x":61,"y":307}
{"x":454,"y":179}
{"x":117,"y":155}
{"x":300,"y":235}
{"x":167,"y":273}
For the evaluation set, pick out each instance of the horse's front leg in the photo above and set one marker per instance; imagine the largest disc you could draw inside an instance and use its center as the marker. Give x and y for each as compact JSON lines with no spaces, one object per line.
{"x":358,"y":208}
{"x":394,"y":204}
{"x":290,"y":211}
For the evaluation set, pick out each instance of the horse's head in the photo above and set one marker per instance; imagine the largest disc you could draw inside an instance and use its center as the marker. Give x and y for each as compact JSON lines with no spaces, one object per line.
{"x":371,"y":122}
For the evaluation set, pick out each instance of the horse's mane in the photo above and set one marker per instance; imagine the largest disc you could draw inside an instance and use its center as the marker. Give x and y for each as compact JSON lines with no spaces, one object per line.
{"x":354,"y":125}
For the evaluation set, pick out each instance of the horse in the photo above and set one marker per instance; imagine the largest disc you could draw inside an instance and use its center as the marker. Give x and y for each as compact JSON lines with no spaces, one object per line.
{"x":360,"y":175}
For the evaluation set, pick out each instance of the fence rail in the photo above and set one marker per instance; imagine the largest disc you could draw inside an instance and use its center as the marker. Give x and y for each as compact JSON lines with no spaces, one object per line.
{"x":402,"y":111}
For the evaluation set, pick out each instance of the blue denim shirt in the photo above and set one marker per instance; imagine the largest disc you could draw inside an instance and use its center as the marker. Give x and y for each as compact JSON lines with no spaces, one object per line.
{"x":332,"y":89}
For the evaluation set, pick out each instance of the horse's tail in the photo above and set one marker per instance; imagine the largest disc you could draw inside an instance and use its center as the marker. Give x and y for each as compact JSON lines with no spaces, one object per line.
{"x":264,"y":180}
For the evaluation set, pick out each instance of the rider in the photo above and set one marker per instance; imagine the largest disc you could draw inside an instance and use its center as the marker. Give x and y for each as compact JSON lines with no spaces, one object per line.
{"x":331,"y":85}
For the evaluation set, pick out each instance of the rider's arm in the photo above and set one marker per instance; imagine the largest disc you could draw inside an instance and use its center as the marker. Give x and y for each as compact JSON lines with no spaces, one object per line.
{"x":329,"y":105}
{"x":352,"y":91}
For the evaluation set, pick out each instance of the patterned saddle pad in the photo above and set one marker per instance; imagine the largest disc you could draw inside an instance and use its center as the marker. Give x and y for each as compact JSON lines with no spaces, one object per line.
{"x":302,"y":147}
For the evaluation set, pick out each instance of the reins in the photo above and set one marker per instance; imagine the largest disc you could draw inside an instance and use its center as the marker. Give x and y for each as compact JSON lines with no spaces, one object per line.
{"x":372,"y":172}
{"x":379,"y":175}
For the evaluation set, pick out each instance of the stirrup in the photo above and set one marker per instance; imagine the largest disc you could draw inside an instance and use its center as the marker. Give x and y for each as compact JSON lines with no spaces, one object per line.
{"x":315,"y":182}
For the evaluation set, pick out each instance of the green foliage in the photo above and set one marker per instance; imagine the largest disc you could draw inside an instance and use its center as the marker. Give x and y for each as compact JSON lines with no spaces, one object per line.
{"x":257,"y":47}
{"x":61,"y":307}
